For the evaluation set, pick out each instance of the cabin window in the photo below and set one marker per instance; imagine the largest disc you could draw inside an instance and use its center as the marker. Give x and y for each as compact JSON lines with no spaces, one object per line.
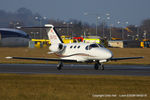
{"x":71,"y":46}
{"x":75,"y":46}
{"x":78,"y":46}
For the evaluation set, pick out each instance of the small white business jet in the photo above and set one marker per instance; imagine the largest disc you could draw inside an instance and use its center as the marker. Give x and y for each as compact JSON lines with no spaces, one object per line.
{"x":76,"y":52}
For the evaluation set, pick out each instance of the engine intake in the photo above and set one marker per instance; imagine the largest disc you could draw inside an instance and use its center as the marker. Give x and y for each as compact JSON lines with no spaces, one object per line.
{"x":56,"y":47}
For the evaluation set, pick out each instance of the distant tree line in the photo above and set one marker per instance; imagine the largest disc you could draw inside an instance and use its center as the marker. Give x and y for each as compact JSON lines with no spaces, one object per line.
{"x":25,"y":17}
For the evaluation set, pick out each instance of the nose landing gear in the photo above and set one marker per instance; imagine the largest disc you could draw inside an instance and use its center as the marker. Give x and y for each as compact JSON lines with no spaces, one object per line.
{"x":97,"y":65}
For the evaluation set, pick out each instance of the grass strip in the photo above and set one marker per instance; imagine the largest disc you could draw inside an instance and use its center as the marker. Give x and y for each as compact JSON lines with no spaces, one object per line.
{"x":71,"y":87}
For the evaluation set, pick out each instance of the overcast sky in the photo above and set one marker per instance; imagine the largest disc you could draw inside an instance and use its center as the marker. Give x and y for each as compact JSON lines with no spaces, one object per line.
{"x":133,"y":11}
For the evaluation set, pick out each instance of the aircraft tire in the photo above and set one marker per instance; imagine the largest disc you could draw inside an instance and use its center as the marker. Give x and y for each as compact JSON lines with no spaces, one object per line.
{"x":102,"y":67}
{"x":59,"y":66}
{"x":96,"y":66}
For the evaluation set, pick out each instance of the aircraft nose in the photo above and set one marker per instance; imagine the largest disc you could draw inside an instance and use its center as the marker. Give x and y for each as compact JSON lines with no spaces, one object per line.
{"x":108,"y":54}
{"x":102,"y":53}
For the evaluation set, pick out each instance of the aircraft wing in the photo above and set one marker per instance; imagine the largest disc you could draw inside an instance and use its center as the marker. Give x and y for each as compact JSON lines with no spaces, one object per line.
{"x":69,"y":60}
{"x":124,"y":58}
{"x":42,"y":59}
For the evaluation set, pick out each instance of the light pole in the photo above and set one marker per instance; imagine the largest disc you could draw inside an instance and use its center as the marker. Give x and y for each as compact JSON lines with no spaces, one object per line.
{"x":37,"y":34}
{"x":67,"y":24}
{"x":144,"y":34}
{"x":122,"y":27}
{"x":40,"y":19}
{"x":104,"y":22}
{"x":107,"y":17}
{"x":14,"y":24}
{"x":97,"y":18}
{"x":32,"y":35}
{"x":137,"y":31}
{"x":110,"y":31}
{"x":126,"y":24}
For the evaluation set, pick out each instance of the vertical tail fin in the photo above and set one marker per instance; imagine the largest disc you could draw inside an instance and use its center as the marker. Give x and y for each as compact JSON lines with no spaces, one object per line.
{"x":53,"y":35}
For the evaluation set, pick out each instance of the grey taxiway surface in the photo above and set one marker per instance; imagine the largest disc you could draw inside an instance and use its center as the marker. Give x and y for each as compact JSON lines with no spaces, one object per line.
{"x":75,"y":69}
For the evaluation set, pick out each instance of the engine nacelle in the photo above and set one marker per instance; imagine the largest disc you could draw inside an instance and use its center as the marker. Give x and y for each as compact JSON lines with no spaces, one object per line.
{"x":56,"y":47}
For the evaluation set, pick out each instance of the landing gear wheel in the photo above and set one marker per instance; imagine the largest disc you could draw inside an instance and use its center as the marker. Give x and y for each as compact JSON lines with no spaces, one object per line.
{"x":102,"y":67}
{"x":96,"y":66}
{"x":59,"y":66}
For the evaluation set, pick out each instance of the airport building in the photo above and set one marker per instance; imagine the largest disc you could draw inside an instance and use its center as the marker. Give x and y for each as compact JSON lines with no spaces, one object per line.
{"x":13,"y":38}
{"x":124,"y":44}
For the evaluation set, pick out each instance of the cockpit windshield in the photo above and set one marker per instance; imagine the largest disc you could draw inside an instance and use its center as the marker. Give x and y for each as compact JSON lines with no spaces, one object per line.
{"x":101,"y":46}
{"x":95,"y":45}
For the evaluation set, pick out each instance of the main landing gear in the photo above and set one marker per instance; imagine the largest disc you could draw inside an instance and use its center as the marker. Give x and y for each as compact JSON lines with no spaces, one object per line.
{"x":97,"y":65}
{"x":60,"y":65}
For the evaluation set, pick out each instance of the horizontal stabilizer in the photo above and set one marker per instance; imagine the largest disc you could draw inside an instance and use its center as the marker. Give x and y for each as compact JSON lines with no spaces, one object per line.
{"x":19,"y":27}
